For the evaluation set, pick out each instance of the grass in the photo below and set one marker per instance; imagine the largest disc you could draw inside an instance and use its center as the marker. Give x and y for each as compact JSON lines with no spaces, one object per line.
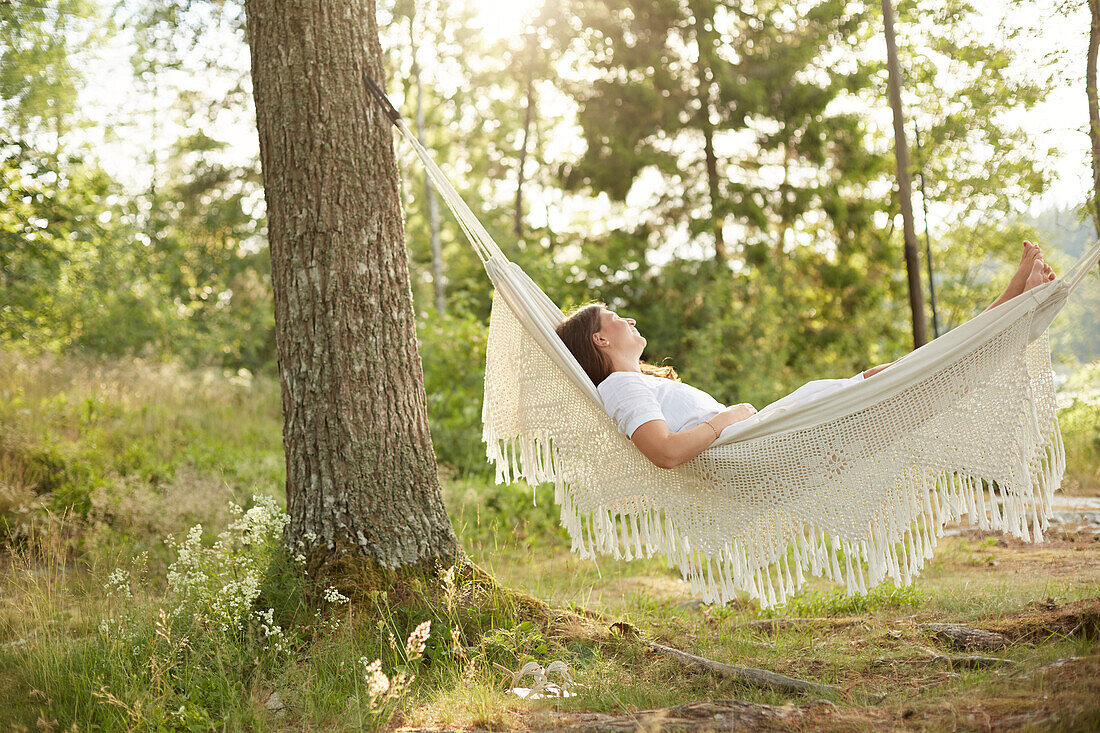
{"x":100,"y":461}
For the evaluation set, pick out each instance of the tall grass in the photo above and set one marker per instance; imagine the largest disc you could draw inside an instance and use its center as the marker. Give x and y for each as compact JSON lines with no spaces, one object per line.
{"x":105,"y":625}
{"x":235,"y":620}
{"x":134,"y":449}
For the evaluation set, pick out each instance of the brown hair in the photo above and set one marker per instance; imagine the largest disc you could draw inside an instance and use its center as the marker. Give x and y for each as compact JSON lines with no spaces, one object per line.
{"x":576,"y":332}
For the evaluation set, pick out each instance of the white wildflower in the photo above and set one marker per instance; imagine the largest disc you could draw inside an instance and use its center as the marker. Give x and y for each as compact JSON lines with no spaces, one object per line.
{"x":378,"y":684}
{"x":118,"y":583}
{"x":273,"y":633}
{"x":417,"y":641}
{"x":334,"y":596}
{"x":219,"y":584}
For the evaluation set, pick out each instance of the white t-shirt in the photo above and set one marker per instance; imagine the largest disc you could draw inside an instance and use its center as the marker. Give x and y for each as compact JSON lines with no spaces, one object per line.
{"x":633,"y":399}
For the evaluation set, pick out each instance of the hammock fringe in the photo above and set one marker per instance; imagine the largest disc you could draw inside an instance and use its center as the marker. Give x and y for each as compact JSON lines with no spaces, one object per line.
{"x":760,"y":565}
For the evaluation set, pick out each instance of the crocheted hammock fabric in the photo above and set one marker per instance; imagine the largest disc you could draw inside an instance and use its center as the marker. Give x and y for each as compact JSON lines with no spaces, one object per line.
{"x":855,"y":486}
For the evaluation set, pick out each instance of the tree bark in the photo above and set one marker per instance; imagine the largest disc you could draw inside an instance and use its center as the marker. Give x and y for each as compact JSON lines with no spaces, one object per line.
{"x":905,"y":193}
{"x":361,"y":475}
{"x":1094,"y":109}
{"x":528,"y":120}
{"x":439,"y":282}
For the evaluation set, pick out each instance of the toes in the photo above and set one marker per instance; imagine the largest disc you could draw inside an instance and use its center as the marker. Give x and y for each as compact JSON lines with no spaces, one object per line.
{"x":1031,"y":253}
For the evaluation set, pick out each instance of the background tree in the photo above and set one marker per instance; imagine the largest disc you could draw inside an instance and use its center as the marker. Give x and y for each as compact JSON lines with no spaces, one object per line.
{"x":788,"y":174}
{"x":905,"y":193}
{"x":361,"y":477}
{"x":1094,"y":107}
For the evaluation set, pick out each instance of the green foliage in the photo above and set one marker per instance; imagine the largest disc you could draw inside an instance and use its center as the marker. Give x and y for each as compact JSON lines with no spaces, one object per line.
{"x":960,"y":82}
{"x":884,"y":596}
{"x":60,"y":281}
{"x":1080,"y":423}
{"x":452,"y":351}
{"x":973,"y":264}
{"x":513,"y":647}
{"x":120,"y":442}
{"x":479,"y":509}
{"x":39,"y":78}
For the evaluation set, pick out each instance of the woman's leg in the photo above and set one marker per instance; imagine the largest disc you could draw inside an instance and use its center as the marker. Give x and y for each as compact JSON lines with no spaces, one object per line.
{"x":1032,"y":272}
{"x":875,"y":370}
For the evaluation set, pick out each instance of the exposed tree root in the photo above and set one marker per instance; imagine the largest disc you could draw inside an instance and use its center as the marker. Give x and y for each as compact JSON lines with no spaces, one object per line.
{"x":461,"y":584}
{"x":973,"y":662}
{"x":709,"y":715}
{"x":1055,"y":665}
{"x":746,"y":675}
{"x":934,"y":657}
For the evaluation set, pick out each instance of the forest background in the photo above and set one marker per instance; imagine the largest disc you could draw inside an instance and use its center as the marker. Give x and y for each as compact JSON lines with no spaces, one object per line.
{"x":723,"y":174}
{"x":721,"y":171}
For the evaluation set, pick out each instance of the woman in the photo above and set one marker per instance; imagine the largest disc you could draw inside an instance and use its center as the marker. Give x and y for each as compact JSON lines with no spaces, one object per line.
{"x":672,"y":422}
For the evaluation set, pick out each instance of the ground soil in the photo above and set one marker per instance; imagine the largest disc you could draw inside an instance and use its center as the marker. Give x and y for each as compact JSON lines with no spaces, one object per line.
{"x":910,"y":689}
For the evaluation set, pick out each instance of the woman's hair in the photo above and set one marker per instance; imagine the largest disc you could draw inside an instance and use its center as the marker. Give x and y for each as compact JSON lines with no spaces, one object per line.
{"x":576,"y":332}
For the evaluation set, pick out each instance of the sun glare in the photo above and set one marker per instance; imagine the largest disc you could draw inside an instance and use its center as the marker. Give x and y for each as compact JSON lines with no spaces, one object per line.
{"x":504,"y":18}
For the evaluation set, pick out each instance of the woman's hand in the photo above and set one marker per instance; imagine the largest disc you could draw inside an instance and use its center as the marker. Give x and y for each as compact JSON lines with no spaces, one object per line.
{"x":732,"y":415}
{"x":668,"y":450}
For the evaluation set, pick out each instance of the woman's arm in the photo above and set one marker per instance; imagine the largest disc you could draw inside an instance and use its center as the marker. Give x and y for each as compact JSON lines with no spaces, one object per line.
{"x":668,"y":450}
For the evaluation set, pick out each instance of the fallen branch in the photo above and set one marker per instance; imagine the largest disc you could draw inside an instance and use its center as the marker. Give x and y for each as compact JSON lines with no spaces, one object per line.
{"x":746,"y":675}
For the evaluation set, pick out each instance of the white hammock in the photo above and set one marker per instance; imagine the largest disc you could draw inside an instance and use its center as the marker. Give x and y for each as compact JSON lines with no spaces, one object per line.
{"x":855,"y":486}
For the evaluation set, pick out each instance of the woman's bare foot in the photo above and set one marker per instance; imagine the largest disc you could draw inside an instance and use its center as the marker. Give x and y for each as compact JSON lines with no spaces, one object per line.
{"x":1030,"y":263}
{"x":1040,"y":273}
{"x":1019,"y":279}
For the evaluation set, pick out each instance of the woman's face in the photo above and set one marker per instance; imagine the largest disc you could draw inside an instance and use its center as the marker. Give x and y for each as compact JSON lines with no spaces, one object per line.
{"x":618,"y":332}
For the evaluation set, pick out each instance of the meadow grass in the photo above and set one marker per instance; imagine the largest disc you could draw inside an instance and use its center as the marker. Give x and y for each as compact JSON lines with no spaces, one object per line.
{"x":105,"y":626}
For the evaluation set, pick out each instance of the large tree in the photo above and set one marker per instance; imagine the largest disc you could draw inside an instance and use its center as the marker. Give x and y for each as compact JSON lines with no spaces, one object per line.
{"x":361,"y":476}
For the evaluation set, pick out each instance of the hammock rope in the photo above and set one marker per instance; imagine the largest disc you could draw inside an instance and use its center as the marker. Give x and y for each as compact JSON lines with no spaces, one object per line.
{"x":856,"y":486}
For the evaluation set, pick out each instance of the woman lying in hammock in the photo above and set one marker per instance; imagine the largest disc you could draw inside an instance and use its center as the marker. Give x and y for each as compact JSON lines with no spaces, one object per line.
{"x":672,"y":422}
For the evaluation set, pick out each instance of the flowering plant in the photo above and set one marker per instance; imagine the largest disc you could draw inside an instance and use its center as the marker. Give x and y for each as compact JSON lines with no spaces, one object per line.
{"x":218,"y":585}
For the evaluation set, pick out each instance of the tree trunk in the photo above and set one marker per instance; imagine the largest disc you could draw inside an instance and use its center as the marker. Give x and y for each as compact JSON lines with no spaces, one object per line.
{"x":361,"y":475}
{"x":439,"y":283}
{"x":905,"y":193}
{"x":528,"y":120}
{"x":705,"y":79}
{"x":1094,"y":109}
